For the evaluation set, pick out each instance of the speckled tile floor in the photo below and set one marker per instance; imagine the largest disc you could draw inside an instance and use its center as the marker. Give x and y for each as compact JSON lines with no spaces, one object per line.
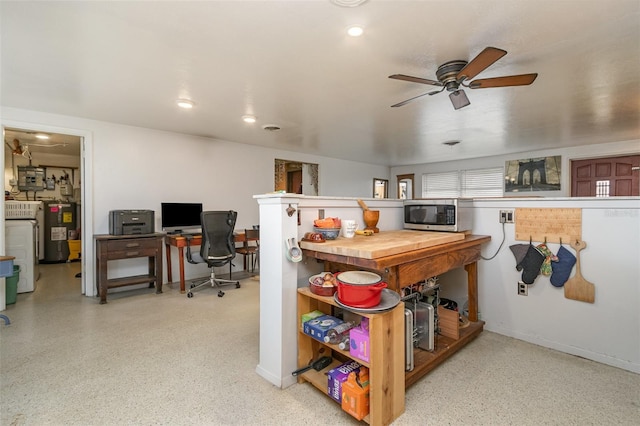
{"x":147,"y":359}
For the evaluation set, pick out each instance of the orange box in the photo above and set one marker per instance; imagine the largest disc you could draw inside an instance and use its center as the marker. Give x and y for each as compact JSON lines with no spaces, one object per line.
{"x":355,"y":399}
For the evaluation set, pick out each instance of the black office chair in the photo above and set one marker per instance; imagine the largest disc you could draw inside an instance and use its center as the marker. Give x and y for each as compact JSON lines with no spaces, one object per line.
{"x":217,"y":248}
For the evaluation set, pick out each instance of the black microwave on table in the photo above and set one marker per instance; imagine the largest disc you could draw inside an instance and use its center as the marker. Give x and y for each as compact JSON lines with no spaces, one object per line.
{"x":439,"y":214}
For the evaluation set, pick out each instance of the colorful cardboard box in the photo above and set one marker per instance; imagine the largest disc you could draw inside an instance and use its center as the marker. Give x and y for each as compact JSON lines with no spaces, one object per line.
{"x":359,"y":346}
{"x":311,"y":315}
{"x":318,"y":327}
{"x":337,"y":376}
{"x":355,"y":394}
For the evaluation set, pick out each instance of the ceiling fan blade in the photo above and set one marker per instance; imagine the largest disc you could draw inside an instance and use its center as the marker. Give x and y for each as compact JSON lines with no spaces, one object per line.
{"x":415,"y":79}
{"x":481,"y":62}
{"x":511,"y":80}
{"x":409,"y":100}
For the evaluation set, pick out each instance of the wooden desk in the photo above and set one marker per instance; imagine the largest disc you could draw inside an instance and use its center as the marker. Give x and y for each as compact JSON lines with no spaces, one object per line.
{"x":181,"y":242}
{"x":115,"y":247}
{"x":407,"y":268}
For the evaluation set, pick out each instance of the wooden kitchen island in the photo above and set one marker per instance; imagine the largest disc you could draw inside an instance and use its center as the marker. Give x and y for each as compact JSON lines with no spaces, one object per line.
{"x":407,"y":257}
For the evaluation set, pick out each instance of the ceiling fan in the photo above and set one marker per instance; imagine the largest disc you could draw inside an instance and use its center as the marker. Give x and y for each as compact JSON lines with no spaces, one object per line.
{"x":451,"y":75}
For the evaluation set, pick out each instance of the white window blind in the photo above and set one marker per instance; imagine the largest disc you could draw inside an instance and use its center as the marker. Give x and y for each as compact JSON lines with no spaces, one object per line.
{"x":465,"y":183}
{"x":441,"y":185}
{"x":482,"y":183}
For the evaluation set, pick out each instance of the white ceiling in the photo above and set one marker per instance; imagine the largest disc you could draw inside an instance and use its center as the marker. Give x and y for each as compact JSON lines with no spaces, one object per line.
{"x":291,"y":64}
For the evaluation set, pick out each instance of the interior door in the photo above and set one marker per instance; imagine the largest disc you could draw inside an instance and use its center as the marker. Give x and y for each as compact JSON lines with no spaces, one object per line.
{"x":606,"y":177}
{"x":294,"y":182}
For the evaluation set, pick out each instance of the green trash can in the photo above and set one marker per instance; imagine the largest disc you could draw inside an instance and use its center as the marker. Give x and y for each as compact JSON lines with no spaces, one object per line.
{"x":11,"y":289}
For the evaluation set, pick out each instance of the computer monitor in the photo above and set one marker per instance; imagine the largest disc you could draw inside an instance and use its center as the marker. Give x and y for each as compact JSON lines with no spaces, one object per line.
{"x":181,"y":217}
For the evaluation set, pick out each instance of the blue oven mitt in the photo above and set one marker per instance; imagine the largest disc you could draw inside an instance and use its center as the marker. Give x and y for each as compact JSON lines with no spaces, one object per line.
{"x":562,"y":268}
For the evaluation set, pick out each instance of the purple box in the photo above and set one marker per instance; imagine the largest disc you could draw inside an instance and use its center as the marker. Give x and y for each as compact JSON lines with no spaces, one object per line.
{"x":318,"y":327}
{"x":337,"y":376}
{"x":359,"y":346}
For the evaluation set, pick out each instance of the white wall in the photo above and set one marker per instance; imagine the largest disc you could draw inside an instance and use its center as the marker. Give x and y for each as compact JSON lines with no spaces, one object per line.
{"x":575,"y":153}
{"x":608,"y":330}
{"x":136,"y":168}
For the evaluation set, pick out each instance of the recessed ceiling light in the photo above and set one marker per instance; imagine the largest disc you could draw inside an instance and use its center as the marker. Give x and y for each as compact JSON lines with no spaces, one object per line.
{"x":348,"y":3}
{"x":249,"y":118}
{"x":42,"y":136}
{"x":355,"y":31}
{"x":185,"y":103}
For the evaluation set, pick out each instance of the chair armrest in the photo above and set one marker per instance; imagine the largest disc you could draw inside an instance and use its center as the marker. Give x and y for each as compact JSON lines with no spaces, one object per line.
{"x":188,"y":255}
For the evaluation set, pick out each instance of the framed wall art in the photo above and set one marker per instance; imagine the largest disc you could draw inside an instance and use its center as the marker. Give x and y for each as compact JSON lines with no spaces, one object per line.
{"x":532,"y":174}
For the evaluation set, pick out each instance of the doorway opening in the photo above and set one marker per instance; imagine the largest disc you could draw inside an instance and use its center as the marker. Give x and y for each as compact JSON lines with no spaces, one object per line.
{"x":45,"y":165}
{"x":405,"y":187}
{"x":296,"y":177}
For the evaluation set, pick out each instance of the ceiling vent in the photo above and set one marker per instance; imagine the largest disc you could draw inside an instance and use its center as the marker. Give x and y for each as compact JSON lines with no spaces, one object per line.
{"x":271,"y":127}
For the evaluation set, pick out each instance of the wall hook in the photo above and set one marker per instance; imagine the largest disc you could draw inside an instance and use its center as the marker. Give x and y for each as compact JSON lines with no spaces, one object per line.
{"x":290,"y":210}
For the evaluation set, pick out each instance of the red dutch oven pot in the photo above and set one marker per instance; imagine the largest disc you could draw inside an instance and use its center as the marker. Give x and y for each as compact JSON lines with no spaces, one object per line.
{"x":360,"y":289}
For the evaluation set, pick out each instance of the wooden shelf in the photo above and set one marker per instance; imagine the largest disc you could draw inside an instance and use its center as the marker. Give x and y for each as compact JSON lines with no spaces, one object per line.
{"x":386,"y":365}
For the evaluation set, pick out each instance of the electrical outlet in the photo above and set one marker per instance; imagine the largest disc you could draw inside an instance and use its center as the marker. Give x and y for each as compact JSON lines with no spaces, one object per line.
{"x":523,"y":289}
{"x":320,"y":213}
{"x":506,"y":216}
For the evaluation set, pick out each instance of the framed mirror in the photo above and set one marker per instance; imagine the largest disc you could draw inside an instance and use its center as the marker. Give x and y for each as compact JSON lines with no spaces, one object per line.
{"x":380,"y":188}
{"x":405,"y":187}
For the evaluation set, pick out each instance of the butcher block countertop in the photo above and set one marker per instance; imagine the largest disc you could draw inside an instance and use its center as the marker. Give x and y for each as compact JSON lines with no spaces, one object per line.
{"x":384,"y":243}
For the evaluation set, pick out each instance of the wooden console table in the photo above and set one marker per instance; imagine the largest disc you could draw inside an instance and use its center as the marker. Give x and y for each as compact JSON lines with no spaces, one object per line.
{"x":409,"y":267}
{"x":116,"y":247}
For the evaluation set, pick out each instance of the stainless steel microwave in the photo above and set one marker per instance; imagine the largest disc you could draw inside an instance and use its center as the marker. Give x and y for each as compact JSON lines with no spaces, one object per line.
{"x":440,"y":214}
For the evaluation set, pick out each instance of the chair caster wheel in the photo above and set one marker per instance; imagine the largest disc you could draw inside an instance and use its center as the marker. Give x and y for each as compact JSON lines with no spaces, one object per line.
{"x":237,"y":285}
{"x":192,"y":285}
{"x":189,"y":295}
{"x":220,"y":293}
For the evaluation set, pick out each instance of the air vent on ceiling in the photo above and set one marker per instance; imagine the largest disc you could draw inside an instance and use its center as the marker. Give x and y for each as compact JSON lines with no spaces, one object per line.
{"x":271,"y":127}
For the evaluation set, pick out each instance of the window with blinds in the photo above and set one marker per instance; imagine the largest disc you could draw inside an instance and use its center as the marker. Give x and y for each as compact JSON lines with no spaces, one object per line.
{"x":465,"y":183}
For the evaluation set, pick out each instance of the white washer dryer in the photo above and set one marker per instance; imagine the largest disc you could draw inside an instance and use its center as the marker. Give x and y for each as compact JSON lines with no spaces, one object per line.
{"x":21,"y":241}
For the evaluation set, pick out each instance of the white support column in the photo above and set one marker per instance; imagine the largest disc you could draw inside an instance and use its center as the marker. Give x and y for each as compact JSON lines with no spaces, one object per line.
{"x":278,"y":290}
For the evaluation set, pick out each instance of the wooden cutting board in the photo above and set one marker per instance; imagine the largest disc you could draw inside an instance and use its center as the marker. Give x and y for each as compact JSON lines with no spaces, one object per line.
{"x":384,"y":243}
{"x":577,"y":288}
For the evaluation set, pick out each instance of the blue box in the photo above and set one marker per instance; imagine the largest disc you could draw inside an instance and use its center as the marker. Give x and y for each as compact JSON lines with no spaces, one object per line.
{"x":318,"y":327}
{"x":6,"y":268}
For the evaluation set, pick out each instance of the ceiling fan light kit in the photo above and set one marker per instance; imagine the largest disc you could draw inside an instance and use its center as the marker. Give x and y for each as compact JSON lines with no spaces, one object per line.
{"x":451,"y":75}
{"x":459,"y":99}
